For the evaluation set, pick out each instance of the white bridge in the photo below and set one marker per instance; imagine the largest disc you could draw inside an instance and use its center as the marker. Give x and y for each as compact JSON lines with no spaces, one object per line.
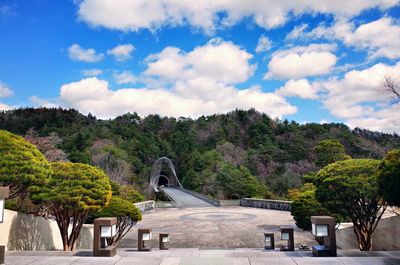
{"x":170,"y":185}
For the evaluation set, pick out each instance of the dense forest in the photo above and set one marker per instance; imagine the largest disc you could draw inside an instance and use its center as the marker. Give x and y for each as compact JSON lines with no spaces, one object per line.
{"x":241,"y":153}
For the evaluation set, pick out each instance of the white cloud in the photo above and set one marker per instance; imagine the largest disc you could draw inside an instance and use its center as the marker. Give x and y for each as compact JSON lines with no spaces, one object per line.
{"x":77,"y":53}
{"x":204,"y":14}
{"x":297,"y":32}
{"x":178,"y":83}
{"x":94,"y":95}
{"x":381,"y":38}
{"x":217,"y":60}
{"x":125,"y":77}
{"x":298,"y":88}
{"x":5,"y":107}
{"x":358,"y":98}
{"x":92,"y":72}
{"x":264,"y":44}
{"x":5,"y":91}
{"x":41,"y":102}
{"x":122,"y":52}
{"x":297,"y":62}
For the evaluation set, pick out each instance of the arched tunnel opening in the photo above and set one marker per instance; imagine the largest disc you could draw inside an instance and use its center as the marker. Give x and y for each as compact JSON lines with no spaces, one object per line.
{"x":163,"y":181}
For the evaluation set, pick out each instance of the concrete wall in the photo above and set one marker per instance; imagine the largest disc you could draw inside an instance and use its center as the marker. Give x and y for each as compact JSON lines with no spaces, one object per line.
{"x":27,"y":232}
{"x":229,"y":202}
{"x":385,"y":237}
{"x":145,"y":206}
{"x":266,"y":204}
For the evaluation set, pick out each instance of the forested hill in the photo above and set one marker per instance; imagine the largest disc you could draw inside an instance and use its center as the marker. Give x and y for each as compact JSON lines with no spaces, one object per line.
{"x":217,"y":155}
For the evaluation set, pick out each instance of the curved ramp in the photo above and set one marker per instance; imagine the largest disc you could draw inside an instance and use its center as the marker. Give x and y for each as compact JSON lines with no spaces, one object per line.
{"x":183,"y":199}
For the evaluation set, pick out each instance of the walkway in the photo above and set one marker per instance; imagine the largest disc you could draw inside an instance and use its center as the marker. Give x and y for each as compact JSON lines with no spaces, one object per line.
{"x":183,"y":199}
{"x":216,"y":227}
{"x":202,"y":257}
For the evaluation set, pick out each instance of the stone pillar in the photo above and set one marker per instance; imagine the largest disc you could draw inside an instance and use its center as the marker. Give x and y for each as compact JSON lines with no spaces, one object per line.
{"x":288,"y":235}
{"x":104,"y":228}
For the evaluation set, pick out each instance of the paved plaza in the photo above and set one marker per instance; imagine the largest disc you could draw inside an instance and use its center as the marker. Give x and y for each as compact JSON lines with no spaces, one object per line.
{"x":216,"y":227}
{"x":202,"y":257}
{"x":208,"y":236}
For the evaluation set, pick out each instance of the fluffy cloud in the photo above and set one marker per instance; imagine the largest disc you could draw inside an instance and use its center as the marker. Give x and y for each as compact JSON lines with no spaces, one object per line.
{"x":92,"y":72}
{"x":5,"y":107}
{"x":94,"y":95}
{"x":359,"y":99}
{"x":122,"y":52}
{"x":297,"y":32}
{"x":5,"y":91}
{"x":125,"y":77}
{"x":299,"y":88}
{"x":204,"y":14}
{"x":77,"y":53}
{"x":194,"y":83}
{"x":217,"y":60}
{"x":264,"y":44}
{"x":381,"y":38}
{"x":297,"y":62}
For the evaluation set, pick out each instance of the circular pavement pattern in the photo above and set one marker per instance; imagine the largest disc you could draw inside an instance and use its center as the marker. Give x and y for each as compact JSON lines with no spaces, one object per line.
{"x":216,"y":227}
{"x":218,"y":216}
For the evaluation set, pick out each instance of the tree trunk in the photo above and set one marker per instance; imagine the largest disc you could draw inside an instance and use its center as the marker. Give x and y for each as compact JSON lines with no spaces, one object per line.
{"x":364,"y":239}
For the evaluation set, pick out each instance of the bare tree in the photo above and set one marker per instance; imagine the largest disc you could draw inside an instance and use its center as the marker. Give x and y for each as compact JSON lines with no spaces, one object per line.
{"x":110,"y":158}
{"x":392,"y":87}
{"x":47,"y":145}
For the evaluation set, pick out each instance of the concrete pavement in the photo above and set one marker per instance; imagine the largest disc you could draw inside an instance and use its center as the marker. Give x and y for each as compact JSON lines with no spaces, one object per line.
{"x":184,"y":199}
{"x":202,"y":257}
{"x":217,"y":227}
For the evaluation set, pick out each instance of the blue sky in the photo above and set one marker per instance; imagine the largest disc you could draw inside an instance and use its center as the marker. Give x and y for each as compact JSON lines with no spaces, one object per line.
{"x":310,"y":61}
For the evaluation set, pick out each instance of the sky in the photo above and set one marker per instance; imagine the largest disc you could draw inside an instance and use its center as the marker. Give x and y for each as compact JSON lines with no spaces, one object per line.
{"x":308,"y":60}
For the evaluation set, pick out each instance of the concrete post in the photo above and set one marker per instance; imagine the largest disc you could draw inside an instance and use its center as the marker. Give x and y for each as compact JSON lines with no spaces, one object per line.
{"x":101,"y":227}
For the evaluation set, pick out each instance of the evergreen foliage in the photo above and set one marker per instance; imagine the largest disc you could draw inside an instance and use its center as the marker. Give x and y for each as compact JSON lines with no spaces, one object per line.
{"x":127,"y":216}
{"x":278,"y":153}
{"x":305,"y":205}
{"x":22,"y":167}
{"x":329,"y":151}
{"x":349,"y":188}
{"x":389,"y":178}
{"x":73,"y":192}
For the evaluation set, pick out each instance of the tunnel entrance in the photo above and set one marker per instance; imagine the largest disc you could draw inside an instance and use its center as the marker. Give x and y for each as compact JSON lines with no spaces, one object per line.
{"x":163,"y":181}
{"x":163,"y":173}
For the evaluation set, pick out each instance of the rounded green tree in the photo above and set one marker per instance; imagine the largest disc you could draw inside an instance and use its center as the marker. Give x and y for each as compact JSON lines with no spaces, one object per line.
{"x":389,"y":178}
{"x":22,"y":167}
{"x":349,"y":188}
{"x":329,"y":151}
{"x":73,"y":192}
{"x":127,"y":215}
{"x":305,"y":205}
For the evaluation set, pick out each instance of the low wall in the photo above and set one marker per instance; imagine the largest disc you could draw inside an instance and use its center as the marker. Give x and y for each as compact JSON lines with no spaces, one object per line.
{"x":266,"y":204}
{"x":385,"y":237}
{"x":202,"y":197}
{"x":28,"y":232}
{"x":229,"y":202}
{"x":145,"y":206}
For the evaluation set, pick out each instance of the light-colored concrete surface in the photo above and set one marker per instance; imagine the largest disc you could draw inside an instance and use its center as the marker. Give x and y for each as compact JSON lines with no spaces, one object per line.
{"x":28,"y":232}
{"x":203,"y":257}
{"x":184,"y":199}
{"x":216,"y":227}
{"x":385,"y":237}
